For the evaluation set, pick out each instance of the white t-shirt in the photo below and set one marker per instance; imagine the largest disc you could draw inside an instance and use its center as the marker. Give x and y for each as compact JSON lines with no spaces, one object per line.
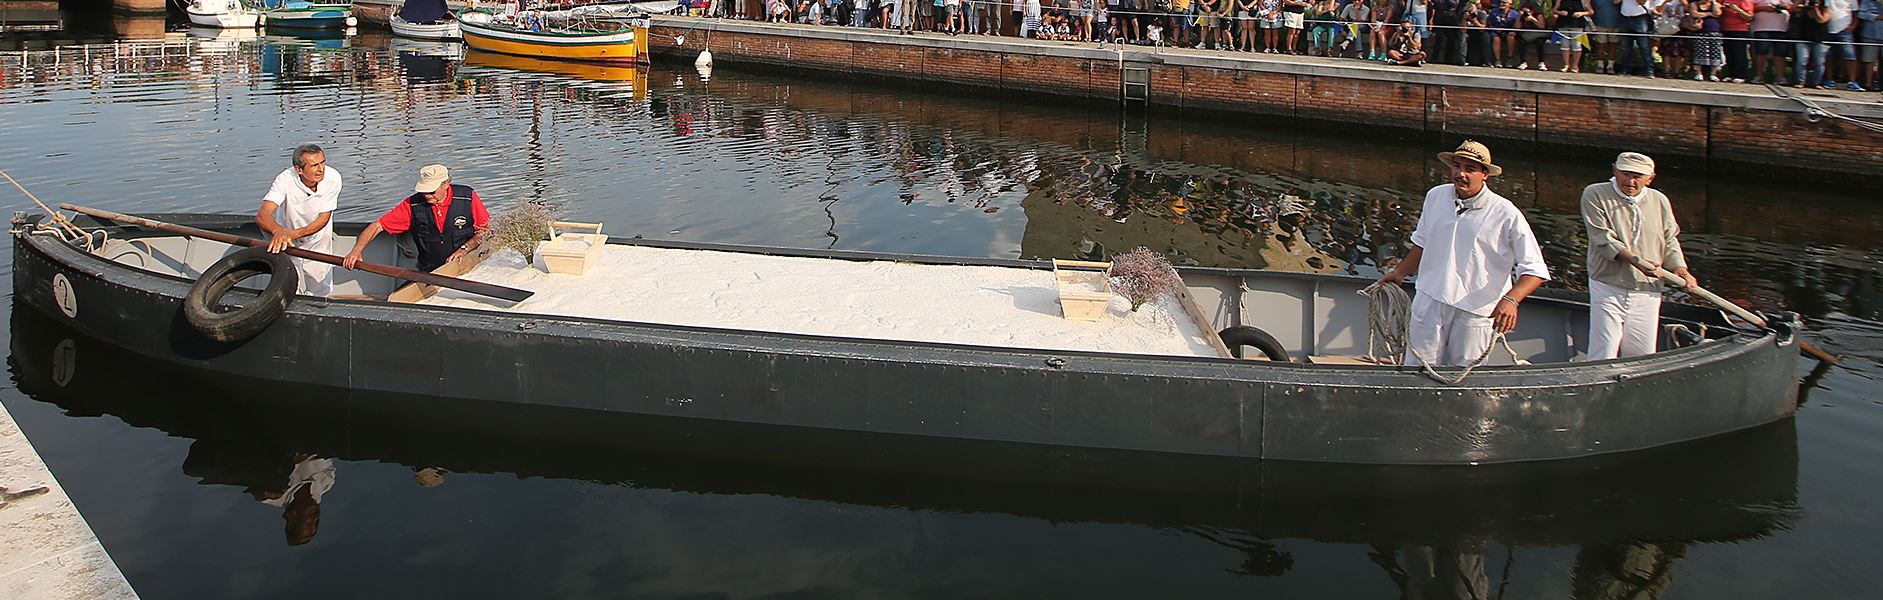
{"x":1631,"y":8}
{"x":1471,"y":259}
{"x":297,"y":206}
{"x":1840,"y":15}
{"x":316,"y":473}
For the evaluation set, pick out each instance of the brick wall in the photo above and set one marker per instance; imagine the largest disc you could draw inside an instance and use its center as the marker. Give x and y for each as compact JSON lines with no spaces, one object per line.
{"x":1586,"y":118}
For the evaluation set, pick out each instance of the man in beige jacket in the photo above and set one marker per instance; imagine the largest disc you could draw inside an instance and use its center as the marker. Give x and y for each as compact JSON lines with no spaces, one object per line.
{"x":1626,"y":218}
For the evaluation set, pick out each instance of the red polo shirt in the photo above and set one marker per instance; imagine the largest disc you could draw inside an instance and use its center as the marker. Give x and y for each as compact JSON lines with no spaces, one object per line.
{"x":399,"y":219}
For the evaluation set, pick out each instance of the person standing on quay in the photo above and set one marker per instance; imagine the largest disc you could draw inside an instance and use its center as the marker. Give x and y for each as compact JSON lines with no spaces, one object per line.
{"x":1572,"y":20}
{"x":1627,"y":219}
{"x":297,"y":211}
{"x":1469,"y":244}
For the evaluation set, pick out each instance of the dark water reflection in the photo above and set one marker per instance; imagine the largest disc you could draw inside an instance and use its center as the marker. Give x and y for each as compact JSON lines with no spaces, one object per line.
{"x":192,"y":481}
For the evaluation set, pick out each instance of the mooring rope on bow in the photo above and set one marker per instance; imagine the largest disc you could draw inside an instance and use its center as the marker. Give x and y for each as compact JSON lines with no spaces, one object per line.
{"x":1389,"y":309}
{"x":64,"y":227}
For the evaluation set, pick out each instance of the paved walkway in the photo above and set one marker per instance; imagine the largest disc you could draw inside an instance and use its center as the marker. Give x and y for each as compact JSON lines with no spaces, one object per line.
{"x":47,"y":551}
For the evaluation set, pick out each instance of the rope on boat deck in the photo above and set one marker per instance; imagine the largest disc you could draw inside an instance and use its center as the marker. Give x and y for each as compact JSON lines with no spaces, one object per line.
{"x":1389,"y":309}
{"x":65,"y":229}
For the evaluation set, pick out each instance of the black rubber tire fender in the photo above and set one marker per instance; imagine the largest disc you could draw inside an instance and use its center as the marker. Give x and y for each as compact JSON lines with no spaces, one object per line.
{"x":203,"y":306}
{"x":1241,"y":335}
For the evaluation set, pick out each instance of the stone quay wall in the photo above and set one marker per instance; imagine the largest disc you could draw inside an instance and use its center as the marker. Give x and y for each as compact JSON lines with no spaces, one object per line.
{"x":1613,"y":114}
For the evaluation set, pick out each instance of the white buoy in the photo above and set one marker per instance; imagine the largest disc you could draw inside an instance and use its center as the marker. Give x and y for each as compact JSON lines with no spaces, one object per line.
{"x":352,"y":22}
{"x":705,"y":59}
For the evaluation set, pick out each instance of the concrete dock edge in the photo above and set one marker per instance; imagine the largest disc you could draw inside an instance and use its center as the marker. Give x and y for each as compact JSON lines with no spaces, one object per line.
{"x":47,"y":550}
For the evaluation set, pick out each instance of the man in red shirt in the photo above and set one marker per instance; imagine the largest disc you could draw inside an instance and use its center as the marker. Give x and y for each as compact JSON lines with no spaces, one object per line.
{"x":444,"y":220}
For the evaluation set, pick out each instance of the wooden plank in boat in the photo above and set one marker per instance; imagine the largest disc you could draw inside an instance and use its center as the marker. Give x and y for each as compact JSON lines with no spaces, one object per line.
{"x":416,"y":292}
{"x":1209,"y":329}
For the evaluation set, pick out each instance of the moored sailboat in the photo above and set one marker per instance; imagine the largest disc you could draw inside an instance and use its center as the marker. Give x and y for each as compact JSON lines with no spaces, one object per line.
{"x":225,"y":14}
{"x":425,"y":20}
{"x":298,"y":14}
{"x":592,"y":33}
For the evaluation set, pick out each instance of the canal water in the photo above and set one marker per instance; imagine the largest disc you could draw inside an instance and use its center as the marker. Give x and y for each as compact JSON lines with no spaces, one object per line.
{"x":202,"y":487}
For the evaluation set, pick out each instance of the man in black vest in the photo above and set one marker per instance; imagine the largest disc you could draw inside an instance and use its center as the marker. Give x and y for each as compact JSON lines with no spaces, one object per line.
{"x":444,"y":219}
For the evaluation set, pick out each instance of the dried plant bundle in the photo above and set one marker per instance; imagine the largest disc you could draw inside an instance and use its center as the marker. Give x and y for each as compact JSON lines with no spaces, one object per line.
{"x":1140,"y":275}
{"x":522,"y":227}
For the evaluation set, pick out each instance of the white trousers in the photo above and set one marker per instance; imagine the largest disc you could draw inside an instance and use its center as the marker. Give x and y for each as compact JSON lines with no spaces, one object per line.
{"x":1445,"y":335}
{"x":1622,"y":323}
{"x":316,"y":277}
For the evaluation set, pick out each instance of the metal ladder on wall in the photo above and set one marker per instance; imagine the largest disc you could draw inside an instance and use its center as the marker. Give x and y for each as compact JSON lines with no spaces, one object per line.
{"x":1135,"y":85}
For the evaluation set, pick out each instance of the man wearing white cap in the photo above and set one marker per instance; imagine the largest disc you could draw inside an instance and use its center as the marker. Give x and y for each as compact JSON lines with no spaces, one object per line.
{"x":298,"y":211}
{"x":444,"y":220}
{"x":1626,"y":219}
{"x":1469,"y":245}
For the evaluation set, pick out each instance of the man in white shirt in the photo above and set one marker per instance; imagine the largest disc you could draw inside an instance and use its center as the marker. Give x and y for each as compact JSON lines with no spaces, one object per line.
{"x":1625,"y":219}
{"x":300,"y":500}
{"x":298,"y":212}
{"x":1470,"y":242}
{"x":1637,"y":51}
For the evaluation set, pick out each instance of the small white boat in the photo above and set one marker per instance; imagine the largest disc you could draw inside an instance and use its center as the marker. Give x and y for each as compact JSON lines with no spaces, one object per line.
{"x":442,"y":30}
{"x":425,"y":20}
{"x":225,"y":14}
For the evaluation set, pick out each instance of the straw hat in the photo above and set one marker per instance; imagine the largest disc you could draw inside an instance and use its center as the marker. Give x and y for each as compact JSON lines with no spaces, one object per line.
{"x":1475,"y":152}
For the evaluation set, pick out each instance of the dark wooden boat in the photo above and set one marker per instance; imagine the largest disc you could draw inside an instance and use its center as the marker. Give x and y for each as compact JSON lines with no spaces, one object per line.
{"x":128,"y":293}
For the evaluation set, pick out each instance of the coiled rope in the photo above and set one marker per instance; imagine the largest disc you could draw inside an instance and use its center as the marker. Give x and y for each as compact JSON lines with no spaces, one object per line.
{"x":1389,"y":309}
{"x":61,"y":226}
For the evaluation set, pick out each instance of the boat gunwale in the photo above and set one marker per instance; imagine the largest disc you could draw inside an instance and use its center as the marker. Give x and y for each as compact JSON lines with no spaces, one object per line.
{"x":578,"y":35}
{"x":1570,"y":374}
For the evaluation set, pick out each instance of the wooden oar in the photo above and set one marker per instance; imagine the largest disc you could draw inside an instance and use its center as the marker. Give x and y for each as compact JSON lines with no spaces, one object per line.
{"x":483,"y":289}
{"x":1738,"y":311}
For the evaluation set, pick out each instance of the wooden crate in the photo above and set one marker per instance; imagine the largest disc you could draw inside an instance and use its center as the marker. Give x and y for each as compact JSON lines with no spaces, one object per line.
{"x":570,"y":252}
{"x":1084,"y":289}
{"x":473,"y":256}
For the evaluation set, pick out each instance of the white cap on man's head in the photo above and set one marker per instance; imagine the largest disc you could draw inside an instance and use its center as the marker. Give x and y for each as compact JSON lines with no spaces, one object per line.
{"x":430,"y":177}
{"x":1634,"y":162}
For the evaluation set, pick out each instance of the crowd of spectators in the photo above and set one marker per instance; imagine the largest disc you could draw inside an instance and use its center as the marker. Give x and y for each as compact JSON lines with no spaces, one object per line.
{"x":1819,"y":43}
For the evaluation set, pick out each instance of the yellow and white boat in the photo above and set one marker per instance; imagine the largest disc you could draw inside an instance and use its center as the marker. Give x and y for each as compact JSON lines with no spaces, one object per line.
{"x":578,"y":34}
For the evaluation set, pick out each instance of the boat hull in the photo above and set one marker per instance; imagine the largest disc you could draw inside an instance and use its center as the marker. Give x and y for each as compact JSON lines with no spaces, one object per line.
{"x":628,"y":47}
{"x":425,"y":31}
{"x":312,"y":18}
{"x":1207,"y":406}
{"x":226,"y":20}
{"x":1748,"y":481}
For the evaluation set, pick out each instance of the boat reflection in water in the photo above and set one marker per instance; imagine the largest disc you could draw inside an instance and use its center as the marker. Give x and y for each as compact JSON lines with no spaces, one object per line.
{"x":1426,"y":527}
{"x":598,"y":72}
{"x":425,"y":61}
{"x":221,"y":40}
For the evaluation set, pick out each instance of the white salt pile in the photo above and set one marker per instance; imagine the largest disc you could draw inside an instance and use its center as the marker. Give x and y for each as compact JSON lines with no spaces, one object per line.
{"x":988,"y":306}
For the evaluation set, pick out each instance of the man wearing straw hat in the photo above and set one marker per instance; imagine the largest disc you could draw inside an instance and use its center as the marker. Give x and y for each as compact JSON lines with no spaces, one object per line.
{"x":445,"y":220}
{"x":1468,"y":246}
{"x":1625,"y":219}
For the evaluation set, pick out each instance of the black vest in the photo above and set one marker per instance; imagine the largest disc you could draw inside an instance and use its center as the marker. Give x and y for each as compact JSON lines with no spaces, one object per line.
{"x":435,"y":246}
